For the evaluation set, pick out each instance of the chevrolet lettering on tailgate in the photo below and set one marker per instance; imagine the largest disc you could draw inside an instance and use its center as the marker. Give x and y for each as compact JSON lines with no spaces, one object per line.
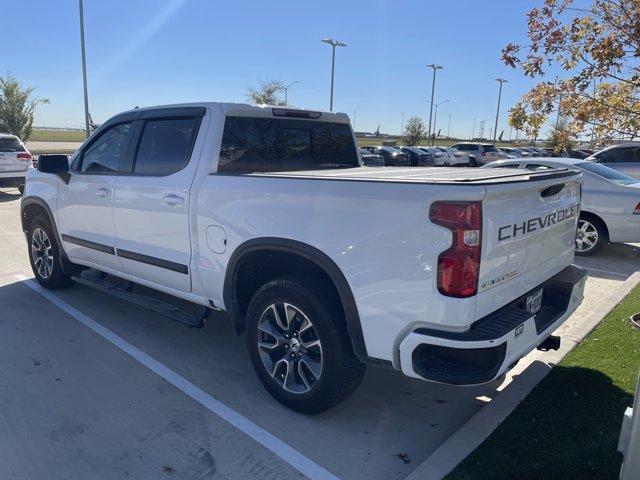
{"x":539,"y":223}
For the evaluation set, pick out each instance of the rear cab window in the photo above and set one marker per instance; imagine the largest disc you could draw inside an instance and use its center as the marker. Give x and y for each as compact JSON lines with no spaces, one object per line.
{"x":256,"y":144}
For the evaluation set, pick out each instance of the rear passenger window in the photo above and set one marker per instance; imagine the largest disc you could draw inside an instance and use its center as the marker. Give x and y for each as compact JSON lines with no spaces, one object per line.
{"x":165,"y":145}
{"x":252,"y":144}
{"x":106,"y":153}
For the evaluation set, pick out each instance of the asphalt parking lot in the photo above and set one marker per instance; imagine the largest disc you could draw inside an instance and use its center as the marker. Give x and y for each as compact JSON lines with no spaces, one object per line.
{"x":75,"y":403}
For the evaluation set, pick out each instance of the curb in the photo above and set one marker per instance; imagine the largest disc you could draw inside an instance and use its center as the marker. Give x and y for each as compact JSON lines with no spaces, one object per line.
{"x":518,"y":384}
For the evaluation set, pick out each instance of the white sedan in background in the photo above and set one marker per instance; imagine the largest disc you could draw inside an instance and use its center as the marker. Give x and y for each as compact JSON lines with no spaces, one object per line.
{"x":610,"y":210}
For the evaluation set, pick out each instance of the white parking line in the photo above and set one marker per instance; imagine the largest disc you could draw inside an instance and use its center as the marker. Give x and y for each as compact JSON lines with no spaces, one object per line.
{"x":297,"y":460}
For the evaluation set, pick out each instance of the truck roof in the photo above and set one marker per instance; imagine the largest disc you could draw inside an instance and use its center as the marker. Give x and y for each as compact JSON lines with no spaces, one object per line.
{"x":246,"y":110}
{"x":455,"y":176}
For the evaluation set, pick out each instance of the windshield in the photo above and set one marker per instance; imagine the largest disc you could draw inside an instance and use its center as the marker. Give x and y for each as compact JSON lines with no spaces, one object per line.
{"x":609,"y":173}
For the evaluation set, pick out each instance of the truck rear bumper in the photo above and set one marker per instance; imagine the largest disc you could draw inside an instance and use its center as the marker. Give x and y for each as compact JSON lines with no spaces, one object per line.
{"x":496,"y":341}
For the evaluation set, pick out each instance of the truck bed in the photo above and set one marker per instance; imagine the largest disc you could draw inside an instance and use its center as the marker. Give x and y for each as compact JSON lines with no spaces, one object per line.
{"x":429,"y":175}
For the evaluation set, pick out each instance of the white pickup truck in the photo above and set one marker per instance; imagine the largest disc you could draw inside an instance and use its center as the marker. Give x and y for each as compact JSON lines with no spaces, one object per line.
{"x":449,"y":275}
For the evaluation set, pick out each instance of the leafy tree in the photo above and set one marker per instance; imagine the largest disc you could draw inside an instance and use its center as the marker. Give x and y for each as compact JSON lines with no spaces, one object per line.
{"x":561,"y":138}
{"x":266,"y":93}
{"x":598,"y":47}
{"x":414,"y":131}
{"x":17,"y":106}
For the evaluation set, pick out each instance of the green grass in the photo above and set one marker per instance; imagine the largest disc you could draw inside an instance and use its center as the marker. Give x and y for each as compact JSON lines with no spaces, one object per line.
{"x":45,"y":135}
{"x":568,"y":426}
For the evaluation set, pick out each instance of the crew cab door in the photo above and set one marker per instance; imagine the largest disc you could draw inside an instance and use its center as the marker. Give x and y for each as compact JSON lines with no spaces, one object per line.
{"x":85,"y":204}
{"x":151,"y":203}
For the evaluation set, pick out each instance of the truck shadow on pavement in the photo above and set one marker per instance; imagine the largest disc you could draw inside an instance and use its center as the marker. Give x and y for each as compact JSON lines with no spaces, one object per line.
{"x":8,"y":196}
{"x":616,"y":261}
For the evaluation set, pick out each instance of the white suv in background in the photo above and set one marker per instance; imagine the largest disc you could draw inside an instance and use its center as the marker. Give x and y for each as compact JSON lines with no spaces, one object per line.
{"x":479,"y":153}
{"x":15,"y":160}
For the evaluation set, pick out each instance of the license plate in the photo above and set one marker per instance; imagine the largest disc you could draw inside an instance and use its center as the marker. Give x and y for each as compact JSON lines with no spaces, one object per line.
{"x":534,"y":302}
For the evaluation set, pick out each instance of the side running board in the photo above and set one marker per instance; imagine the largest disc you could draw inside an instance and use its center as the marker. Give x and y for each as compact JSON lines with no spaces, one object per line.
{"x":187,"y":313}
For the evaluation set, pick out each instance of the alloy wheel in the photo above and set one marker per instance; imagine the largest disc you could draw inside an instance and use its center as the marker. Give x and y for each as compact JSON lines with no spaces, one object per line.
{"x":586,"y":236}
{"x":289,"y":347}
{"x":42,"y":253}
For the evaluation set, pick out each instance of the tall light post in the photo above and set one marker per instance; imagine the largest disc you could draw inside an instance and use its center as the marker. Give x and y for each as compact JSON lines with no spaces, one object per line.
{"x":354,"y":120}
{"x":495,"y":128}
{"x":402,"y":124}
{"x":433,"y":89}
{"x":473,"y":130}
{"x":286,"y":91}
{"x":84,"y":70}
{"x":435,"y":118}
{"x":334,"y":44}
{"x":449,"y":127}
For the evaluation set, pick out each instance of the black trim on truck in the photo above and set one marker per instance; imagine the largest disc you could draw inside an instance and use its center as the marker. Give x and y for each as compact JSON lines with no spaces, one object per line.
{"x":155,"y":261}
{"x":309,"y":253}
{"x":88,"y":244}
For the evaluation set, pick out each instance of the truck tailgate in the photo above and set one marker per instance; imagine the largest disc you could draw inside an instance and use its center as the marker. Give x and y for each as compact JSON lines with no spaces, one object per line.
{"x":528,"y":235}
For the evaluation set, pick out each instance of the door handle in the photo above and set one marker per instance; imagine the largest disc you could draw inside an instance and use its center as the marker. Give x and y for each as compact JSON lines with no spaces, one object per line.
{"x":103,"y":192}
{"x":172,"y":200}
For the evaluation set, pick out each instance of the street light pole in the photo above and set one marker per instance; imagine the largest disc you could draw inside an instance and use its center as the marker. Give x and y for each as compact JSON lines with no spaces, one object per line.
{"x":433,"y":89}
{"x":473,"y":130}
{"x":286,"y":91}
{"x":402,"y":124}
{"x":435,"y":118}
{"x":449,"y":127}
{"x":84,"y":70}
{"x":354,"y":120}
{"x":334,"y":44}
{"x":495,"y":128}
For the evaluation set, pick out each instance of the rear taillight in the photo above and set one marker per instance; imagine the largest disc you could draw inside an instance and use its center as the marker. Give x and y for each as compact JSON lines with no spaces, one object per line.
{"x":459,"y":266}
{"x":637,"y":210}
{"x":25,"y":156}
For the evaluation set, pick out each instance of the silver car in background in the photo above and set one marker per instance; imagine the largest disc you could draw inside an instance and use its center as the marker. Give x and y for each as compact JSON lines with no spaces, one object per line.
{"x":456,"y":158}
{"x":371,"y":159}
{"x":624,"y":157}
{"x":610,"y":210}
{"x":479,"y":153}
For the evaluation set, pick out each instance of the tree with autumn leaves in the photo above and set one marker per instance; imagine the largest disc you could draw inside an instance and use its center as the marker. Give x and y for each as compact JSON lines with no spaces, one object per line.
{"x":599,"y":49}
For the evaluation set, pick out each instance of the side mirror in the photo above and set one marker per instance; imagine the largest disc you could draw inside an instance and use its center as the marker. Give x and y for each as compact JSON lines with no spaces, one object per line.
{"x":55,"y":164}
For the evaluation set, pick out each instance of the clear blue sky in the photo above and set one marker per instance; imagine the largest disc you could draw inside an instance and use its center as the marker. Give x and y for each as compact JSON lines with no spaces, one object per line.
{"x":147,"y":52}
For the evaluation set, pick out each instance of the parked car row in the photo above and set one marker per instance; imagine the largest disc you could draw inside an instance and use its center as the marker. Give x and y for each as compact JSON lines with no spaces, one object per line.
{"x":417,"y":156}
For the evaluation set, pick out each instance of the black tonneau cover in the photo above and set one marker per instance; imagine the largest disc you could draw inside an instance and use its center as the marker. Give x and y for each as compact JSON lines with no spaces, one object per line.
{"x":452,"y":176}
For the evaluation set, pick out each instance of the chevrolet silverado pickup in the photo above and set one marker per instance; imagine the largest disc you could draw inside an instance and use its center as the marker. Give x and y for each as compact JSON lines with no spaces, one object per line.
{"x":448,"y":275}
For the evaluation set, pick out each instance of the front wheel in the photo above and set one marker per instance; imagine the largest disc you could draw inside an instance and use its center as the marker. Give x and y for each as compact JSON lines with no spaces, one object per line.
{"x":300,"y":348}
{"x":591,"y":235}
{"x":44,"y":256}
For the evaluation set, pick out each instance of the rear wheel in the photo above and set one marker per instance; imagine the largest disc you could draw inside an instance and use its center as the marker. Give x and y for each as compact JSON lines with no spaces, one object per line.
{"x":300,"y":348}
{"x":44,"y":255}
{"x":591,"y":235}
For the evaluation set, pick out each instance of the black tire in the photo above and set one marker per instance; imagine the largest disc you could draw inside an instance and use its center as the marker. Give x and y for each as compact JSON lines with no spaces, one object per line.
{"x":50,"y":275}
{"x":591,"y":235}
{"x":340,"y":372}
{"x":21,"y":189}
{"x":473,"y":162}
